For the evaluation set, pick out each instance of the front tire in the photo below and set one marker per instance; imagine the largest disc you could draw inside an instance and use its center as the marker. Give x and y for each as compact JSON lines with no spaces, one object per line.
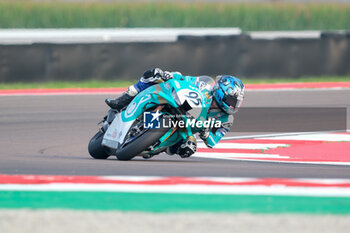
{"x":96,"y":150}
{"x":140,"y":144}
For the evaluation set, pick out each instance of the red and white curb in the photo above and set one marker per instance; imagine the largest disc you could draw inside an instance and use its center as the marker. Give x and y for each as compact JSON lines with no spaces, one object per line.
{"x":193,"y":185}
{"x":315,"y":148}
{"x":96,"y":91}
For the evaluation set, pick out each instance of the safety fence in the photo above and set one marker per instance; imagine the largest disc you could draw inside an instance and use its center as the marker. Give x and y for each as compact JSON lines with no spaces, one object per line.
{"x":250,"y":55}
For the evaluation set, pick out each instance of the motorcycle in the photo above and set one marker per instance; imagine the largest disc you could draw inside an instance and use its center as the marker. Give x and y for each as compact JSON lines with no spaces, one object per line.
{"x":131,"y":132}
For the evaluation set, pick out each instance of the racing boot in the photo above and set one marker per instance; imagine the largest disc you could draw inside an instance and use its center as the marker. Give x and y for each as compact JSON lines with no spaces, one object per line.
{"x":119,"y":103}
{"x":123,"y":100}
{"x":188,"y":148}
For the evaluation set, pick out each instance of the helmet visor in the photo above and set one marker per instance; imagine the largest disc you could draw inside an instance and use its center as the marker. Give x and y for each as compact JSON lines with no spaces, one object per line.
{"x":233,"y":101}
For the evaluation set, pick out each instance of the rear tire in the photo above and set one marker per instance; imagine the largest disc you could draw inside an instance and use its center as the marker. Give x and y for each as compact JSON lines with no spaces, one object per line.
{"x":140,"y":144}
{"x":96,"y":150}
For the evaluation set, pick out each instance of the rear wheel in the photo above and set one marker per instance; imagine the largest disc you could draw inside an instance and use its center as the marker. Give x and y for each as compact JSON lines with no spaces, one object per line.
{"x":96,"y":150}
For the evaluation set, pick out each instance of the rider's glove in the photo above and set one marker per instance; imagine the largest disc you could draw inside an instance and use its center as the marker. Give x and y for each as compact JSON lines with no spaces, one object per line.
{"x":152,"y":76}
{"x":167,"y":75}
{"x":158,"y":73}
{"x":188,"y":148}
{"x":204,"y":133}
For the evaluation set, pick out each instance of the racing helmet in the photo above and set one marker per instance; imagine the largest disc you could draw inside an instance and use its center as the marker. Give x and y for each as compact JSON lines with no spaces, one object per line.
{"x":228,"y":93}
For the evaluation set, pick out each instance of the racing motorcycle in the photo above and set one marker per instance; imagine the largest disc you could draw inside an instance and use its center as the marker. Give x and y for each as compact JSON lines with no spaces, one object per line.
{"x":127,"y":133}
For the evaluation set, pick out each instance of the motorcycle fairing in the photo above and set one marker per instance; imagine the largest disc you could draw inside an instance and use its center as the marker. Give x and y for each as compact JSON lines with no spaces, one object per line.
{"x":116,"y":132}
{"x":150,"y":97}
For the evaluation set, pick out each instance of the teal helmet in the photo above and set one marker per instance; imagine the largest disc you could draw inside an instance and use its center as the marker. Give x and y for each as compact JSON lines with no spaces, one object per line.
{"x":228,"y":93}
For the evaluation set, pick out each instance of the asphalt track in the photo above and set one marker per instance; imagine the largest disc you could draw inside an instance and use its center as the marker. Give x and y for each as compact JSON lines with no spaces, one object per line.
{"x":49,"y":135}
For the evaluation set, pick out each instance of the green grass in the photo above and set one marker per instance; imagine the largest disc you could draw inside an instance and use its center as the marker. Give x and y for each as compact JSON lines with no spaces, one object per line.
{"x":171,"y":202}
{"x":248,"y":16}
{"x":122,"y":83}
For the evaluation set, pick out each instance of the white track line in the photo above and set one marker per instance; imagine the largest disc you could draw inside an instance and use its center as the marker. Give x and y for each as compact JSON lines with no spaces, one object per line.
{"x":314,"y":137}
{"x":290,"y":161}
{"x":253,"y":146}
{"x":216,"y":155}
{"x":192,"y":189}
{"x":260,"y":136}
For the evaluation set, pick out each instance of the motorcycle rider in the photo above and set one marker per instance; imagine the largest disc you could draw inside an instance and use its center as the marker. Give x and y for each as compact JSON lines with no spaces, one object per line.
{"x":228,"y":94}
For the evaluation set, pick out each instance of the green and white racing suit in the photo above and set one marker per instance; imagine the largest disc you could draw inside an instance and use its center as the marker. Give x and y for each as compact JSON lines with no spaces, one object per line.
{"x":210,"y":136}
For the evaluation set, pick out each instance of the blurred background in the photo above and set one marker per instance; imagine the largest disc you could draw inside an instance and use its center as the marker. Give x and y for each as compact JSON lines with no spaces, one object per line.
{"x":72,"y":40}
{"x":110,"y":43}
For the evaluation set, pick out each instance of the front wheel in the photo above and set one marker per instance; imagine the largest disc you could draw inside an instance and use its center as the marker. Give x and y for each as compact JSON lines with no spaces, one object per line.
{"x":96,"y":150}
{"x":140,"y":144}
